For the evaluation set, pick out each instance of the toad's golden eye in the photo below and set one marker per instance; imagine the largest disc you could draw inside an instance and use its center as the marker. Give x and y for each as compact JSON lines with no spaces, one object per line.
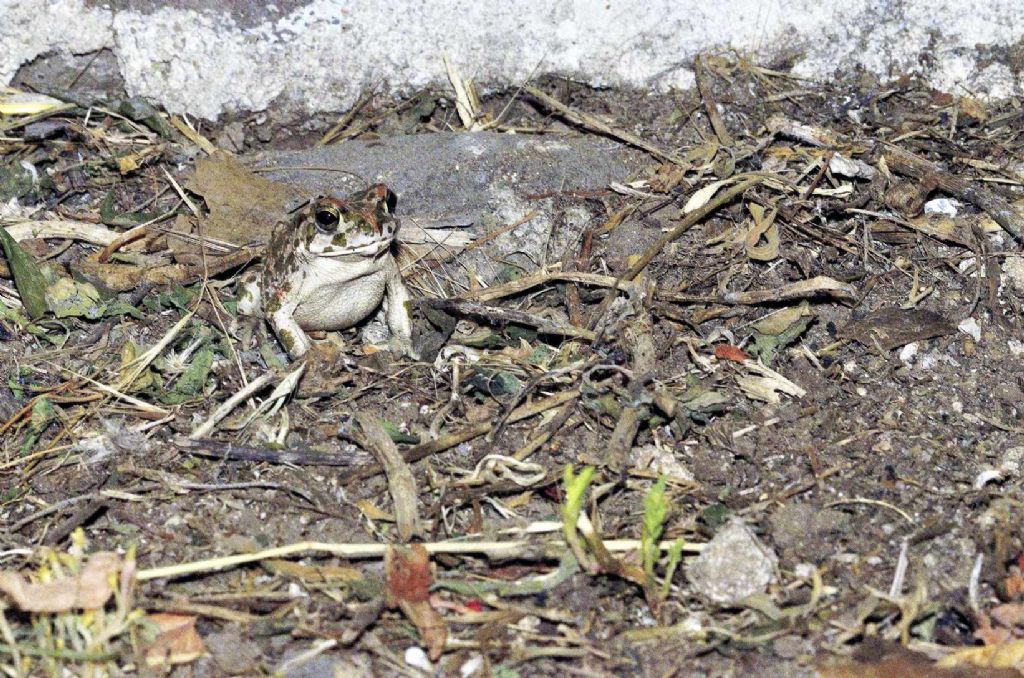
{"x":327,"y":218}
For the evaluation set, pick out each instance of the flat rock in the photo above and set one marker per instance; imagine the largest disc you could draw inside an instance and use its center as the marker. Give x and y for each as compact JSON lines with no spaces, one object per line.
{"x":452,"y":173}
{"x":536,"y":188}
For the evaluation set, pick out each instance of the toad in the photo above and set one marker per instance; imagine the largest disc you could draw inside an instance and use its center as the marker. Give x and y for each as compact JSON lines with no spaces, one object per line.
{"x":328,"y":266}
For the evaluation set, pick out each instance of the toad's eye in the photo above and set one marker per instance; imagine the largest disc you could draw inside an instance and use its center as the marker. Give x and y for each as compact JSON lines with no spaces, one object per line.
{"x":327,"y":219}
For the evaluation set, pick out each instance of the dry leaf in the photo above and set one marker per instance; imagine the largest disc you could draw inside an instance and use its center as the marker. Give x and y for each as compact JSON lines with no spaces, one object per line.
{"x":177,"y":643}
{"x":408,"y":578}
{"x":763,"y":228}
{"x":373,"y":512}
{"x":243,"y":205}
{"x":763,"y":383}
{"x":703,"y":196}
{"x":1014,"y":585}
{"x":319,"y":573}
{"x":89,"y":589}
{"x":780,"y":321}
{"x":1008,"y":614}
{"x":1008,"y":655}
{"x":893,"y":327}
{"x":730,"y":352}
{"x":878,"y":659}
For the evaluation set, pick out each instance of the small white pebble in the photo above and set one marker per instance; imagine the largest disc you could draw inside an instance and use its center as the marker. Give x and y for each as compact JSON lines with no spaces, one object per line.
{"x":945,"y":206}
{"x":862,"y":392}
{"x":987,"y":476}
{"x":472,"y":666}
{"x":908,"y":352}
{"x":1016,"y":347}
{"x":970,"y":327}
{"x":417,"y":658}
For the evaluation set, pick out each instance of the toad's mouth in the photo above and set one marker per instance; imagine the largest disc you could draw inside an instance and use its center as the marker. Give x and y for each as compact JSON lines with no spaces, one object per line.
{"x":373,"y":249}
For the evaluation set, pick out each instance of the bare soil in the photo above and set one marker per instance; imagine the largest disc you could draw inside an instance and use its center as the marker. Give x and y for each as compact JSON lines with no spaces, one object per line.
{"x":889,"y":493}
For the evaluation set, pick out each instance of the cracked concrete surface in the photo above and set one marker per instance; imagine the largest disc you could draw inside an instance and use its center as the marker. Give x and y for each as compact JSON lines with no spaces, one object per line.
{"x":206,"y":58}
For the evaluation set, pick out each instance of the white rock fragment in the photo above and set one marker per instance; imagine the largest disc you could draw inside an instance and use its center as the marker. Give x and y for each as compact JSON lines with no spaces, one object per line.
{"x":943,"y":206}
{"x":1012,"y":463}
{"x":1016,"y":347}
{"x":472,"y":666}
{"x":971,"y":328}
{"x":417,"y":658}
{"x":660,"y":460}
{"x":840,"y":164}
{"x":733,"y":566}
{"x":1013,"y":272}
{"x":908,"y":352}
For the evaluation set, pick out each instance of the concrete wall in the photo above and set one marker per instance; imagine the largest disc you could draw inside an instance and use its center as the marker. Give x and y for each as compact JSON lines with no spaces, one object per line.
{"x":205,"y":58}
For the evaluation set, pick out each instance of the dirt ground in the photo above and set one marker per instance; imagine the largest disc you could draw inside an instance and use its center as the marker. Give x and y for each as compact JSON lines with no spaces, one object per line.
{"x":825,"y":366}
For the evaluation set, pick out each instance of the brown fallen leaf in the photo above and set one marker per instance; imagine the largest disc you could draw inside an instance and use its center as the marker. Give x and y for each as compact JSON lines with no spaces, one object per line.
{"x":878,"y":659}
{"x":177,"y":643}
{"x":243,"y":205}
{"x":408,"y":578}
{"x":1008,"y":614}
{"x":321,"y":573}
{"x":1005,"y":655}
{"x":90,"y":589}
{"x":893,"y":327}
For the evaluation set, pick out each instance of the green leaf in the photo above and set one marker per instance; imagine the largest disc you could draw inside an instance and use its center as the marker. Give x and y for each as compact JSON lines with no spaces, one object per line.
{"x":43,"y":413}
{"x":575,"y":492}
{"x":111,"y":216}
{"x":655,"y":512}
{"x":69,"y":298}
{"x":191,"y":382}
{"x":27,"y":276}
{"x":398,"y":436}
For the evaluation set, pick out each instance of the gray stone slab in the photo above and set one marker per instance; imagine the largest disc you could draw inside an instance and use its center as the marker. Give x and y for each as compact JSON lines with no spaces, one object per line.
{"x":459,"y":174}
{"x":486,"y":180}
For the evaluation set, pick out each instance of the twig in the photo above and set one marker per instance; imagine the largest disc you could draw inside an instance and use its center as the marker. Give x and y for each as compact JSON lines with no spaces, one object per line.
{"x":231,"y":403}
{"x":490,"y":549}
{"x":503,"y":316}
{"x":710,"y":105}
{"x":596,"y":125}
{"x":401,"y":483}
{"x":997,"y":207}
{"x":440,"y":445}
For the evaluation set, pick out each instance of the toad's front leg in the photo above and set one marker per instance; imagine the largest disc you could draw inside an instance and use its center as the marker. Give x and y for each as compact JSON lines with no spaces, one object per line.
{"x":399,"y":322}
{"x":292,"y":337}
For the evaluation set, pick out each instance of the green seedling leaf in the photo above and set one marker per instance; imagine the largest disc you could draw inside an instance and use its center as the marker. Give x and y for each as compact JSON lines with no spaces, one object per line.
{"x":675,"y":556}
{"x":26,"y":325}
{"x":120,"y":308}
{"x":655,"y":512}
{"x":398,"y":436}
{"x":27,"y":277}
{"x":575,"y":493}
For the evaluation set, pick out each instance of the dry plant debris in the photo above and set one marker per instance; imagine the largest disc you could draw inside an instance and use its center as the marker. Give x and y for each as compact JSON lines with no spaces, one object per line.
{"x":761,"y":413}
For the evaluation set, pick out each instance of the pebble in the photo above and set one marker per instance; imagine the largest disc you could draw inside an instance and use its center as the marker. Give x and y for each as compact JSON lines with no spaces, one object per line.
{"x":733,"y":565}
